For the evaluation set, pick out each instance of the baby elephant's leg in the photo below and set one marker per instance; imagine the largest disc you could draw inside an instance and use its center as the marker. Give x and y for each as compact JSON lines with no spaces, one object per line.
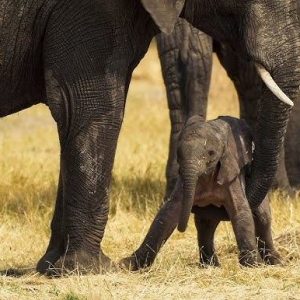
{"x":162,"y":227}
{"x":206,"y":230}
{"x":262,"y":219}
{"x":243,"y":224}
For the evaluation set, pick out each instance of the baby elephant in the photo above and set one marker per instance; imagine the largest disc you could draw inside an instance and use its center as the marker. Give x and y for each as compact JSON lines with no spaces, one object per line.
{"x":214,"y":158}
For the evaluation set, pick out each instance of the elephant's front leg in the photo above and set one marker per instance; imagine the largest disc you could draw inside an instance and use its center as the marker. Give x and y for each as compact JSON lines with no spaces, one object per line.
{"x":88,"y":125}
{"x":87,"y":160}
{"x":162,"y":227}
{"x":243,"y":224}
{"x":87,"y":65}
{"x":82,"y":202}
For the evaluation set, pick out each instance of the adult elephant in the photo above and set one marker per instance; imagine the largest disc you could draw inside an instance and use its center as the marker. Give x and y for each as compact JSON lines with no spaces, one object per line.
{"x":186,"y":60}
{"x":78,"y":56}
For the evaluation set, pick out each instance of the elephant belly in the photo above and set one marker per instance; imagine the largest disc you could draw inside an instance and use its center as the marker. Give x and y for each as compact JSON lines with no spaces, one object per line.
{"x":211,"y":212}
{"x":210,"y":205}
{"x":209,"y":193}
{"x":208,"y":200}
{"x":13,"y":103}
{"x":21,"y":67}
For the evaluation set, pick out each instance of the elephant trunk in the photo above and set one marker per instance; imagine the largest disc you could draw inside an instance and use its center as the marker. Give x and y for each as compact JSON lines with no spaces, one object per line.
{"x":271,"y":128}
{"x":189,"y":178}
{"x":282,"y":64}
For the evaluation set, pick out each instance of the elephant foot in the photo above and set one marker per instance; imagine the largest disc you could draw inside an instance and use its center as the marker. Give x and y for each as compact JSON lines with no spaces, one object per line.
{"x":17,"y":272}
{"x":79,"y":262}
{"x":83,"y":262}
{"x":135,"y":263}
{"x":271,"y":257}
{"x":250,"y":259}
{"x":46,"y":264}
{"x":209,"y":261}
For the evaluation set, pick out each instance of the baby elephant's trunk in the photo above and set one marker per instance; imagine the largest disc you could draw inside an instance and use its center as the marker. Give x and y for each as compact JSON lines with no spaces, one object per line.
{"x":189,"y":178}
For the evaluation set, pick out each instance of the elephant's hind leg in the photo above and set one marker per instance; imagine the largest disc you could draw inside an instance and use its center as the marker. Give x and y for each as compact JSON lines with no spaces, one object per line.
{"x":205,"y":232}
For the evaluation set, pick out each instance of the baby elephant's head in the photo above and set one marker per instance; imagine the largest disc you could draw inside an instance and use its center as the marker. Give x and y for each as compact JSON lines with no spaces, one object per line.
{"x":222,"y":146}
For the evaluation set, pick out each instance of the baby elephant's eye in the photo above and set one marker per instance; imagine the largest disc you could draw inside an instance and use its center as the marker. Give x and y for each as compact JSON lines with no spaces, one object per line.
{"x":211,"y":153}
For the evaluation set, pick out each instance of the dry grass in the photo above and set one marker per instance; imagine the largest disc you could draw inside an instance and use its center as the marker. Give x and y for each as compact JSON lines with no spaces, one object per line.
{"x":29,"y":168}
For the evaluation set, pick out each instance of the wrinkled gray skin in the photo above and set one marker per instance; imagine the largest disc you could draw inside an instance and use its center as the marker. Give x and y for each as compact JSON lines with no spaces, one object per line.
{"x":213,"y":159}
{"x":77,"y":57}
{"x":186,"y":60}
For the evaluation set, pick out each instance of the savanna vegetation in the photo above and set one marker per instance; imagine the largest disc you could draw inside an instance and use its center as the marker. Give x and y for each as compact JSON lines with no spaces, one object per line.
{"x":29,"y":168}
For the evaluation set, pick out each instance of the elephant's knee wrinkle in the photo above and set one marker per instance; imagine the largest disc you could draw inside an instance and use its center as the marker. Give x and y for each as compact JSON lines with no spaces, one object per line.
{"x":58,"y":101}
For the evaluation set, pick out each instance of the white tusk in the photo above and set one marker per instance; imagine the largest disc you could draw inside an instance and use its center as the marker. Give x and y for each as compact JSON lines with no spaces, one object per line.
{"x":272,"y":85}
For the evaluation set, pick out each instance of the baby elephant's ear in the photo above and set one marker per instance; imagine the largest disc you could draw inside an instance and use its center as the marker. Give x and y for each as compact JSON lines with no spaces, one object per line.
{"x":237,"y":152}
{"x":164,"y":12}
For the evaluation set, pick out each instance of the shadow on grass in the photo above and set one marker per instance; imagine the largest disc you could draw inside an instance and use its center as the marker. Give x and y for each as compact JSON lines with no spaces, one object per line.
{"x":18,"y":272}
